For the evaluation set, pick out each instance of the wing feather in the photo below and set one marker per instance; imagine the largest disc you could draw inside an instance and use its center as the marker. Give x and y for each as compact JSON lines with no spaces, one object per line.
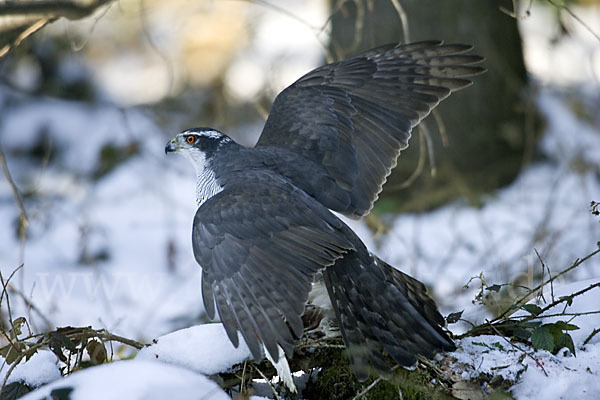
{"x":260,"y":246}
{"x":365,"y":105}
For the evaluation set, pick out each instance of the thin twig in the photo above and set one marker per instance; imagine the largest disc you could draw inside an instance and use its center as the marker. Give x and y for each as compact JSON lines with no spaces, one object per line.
{"x":441,"y":126}
{"x":170,"y":69}
{"x":268,"y":382}
{"x":420,"y":164}
{"x":525,"y":297}
{"x":575,"y":17}
{"x":515,"y":13}
{"x":16,"y":194}
{"x":317,"y":30}
{"x":103,"y":333}
{"x":561,"y":314}
{"x":565,"y":299}
{"x":516,"y":347}
{"x":33,"y":28}
{"x":243,"y":384}
{"x":30,"y":304}
{"x":594,"y":332}
{"x":72,"y":9}
{"x":430,"y":152}
{"x":5,"y":288}
{"x":371,"y":386}
{"x":5,"y":293}
{"x":359,"y":25}
{"x":403,"y":20}
{"x":545,"y":267}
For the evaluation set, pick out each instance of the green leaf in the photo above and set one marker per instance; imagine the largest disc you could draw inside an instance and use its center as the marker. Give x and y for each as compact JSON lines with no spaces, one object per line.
{"x":501,"y":395}
{"x":522,"y":333}
{"x":30,"y":354}
{"x":494,"y":288}
{"x":568,"y":299}
{"x":63,"y":393}
{"x":10,"y":352}
{"x":565,"y":340}
{"x":454,"y":317}
{"x":542,"y":339}
{"x":530,"y":324}
{"x":16,"y":329}
{"x":531,"y":309}
{"x":498,"y":346}
{"x":566,"y":326}
{"x":57,"y":342}
{"x":60,"y":340}
{"x":14,"y":390}
{"x":554,"y":330}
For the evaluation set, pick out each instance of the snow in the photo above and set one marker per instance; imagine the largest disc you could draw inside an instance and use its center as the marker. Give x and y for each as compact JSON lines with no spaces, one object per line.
{"x":559,"y":58}
{"x":542,"y":374}
{"x":204,"y":348}
{"x":484,"y":355}
{"x":134,"y":380}
{"x":568,"y":377}
{"x":138,"y":216}
{"x":39,"y":370}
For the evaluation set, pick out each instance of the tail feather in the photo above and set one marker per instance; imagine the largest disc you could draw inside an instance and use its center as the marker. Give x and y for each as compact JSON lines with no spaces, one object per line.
{"x":361,"y":343}
{"x":380,"y":308}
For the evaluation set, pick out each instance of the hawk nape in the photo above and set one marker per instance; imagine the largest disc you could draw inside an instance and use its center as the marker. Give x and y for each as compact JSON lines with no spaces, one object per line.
{"x":264,"y":232}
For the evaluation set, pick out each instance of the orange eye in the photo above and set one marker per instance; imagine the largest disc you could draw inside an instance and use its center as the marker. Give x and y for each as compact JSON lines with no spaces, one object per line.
{"x":190,"y":139}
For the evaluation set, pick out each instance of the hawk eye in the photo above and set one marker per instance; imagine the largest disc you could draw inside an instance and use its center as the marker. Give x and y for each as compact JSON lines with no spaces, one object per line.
{"x":190,"y":139}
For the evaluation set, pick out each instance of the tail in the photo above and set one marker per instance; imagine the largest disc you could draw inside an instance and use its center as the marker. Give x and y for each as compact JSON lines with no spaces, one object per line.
{"x":380,"y":308}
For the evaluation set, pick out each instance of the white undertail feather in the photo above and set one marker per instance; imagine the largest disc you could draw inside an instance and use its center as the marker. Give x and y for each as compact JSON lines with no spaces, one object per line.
{"x":283,"y":369}
{"x":319,"y":297}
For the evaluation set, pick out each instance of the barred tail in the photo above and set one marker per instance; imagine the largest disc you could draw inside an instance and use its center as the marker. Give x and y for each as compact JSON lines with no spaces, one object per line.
{"x":380,"y":308}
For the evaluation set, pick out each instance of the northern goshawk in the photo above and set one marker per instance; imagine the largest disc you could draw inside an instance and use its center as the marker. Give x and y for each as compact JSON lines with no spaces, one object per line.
{"x":264,"y":232}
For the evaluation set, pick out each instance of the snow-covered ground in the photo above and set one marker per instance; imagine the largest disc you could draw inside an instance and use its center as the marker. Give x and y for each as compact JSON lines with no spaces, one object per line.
{"x":114,"y":252}
{"x":545,"y":209}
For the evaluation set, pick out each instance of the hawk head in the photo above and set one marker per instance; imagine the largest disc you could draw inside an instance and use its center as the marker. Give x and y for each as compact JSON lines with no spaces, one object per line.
{"x":197,"y":142}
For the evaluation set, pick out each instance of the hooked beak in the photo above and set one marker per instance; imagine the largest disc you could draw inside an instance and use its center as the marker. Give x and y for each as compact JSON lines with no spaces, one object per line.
{"x":171,"y":147}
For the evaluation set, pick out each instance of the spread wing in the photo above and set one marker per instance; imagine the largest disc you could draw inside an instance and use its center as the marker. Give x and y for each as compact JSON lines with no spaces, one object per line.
{"x":260,"y":246}
{"x":354,"y":117}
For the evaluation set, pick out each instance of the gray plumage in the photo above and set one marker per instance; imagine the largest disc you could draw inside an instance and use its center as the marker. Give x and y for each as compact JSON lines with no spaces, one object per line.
{"x":264,"y":229}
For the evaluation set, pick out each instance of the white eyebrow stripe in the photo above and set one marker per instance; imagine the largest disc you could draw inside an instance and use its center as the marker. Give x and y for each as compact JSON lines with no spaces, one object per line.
{"x":208,"y":134}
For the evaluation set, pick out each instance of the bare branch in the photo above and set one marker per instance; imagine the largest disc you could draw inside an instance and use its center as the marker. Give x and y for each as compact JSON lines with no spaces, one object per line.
{"x":594,"y":332}
{"x":575,"y":17}
{"x":36,"y":25}
{"x":5,"y":293}
{"x":268,"y":382}
{"x":423,"y":150}
{"x":522,"y":300}
{"x":403,"y":20}
{"x":106,"y":335}
{"x":24,"y":222}
{"x":71,"y":9}
{"x":29,"y":304}
{"x":564,"y":299}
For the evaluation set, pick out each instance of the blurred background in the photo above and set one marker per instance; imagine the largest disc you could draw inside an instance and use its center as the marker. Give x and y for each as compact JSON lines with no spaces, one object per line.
{"x":90,"y":94}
